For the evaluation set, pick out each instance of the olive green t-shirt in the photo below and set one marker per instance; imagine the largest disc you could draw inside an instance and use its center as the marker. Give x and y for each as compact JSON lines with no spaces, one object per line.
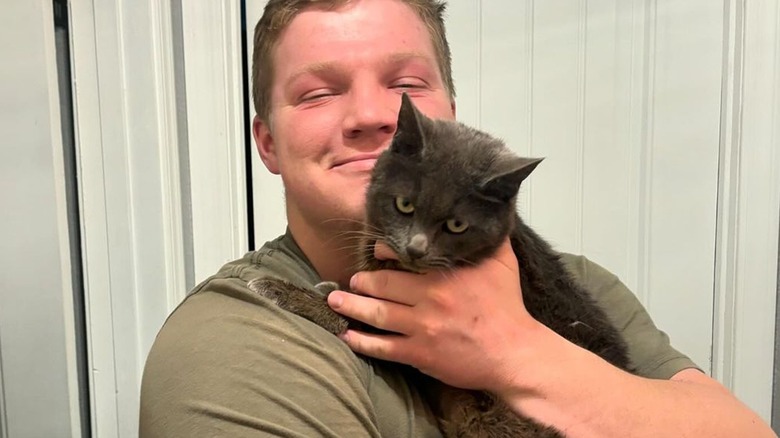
{"x":230,"y":363}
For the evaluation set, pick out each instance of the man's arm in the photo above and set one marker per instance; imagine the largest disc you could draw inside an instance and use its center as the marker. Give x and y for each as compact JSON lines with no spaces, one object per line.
{"x":586,"y":397}
{"x":500,"y":348}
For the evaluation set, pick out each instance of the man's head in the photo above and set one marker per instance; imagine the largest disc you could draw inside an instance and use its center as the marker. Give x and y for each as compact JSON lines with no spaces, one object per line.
{"x":332,"y":100}
{"x":278,"y":15}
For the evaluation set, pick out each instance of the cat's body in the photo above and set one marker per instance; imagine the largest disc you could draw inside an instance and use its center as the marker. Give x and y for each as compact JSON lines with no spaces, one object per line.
{"x":444,"y":196}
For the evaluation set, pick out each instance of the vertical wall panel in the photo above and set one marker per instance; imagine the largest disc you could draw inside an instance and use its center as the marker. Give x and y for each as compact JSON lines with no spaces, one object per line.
{"x":507,"y":35}
{"x":464,"y":24}
{"x":606,"y":166}
{"x":623,"y":101}
{"x":557,"y":121}
{"x":759,"y":206}
{"x":212,"y":53}
{"x":685,"y":148}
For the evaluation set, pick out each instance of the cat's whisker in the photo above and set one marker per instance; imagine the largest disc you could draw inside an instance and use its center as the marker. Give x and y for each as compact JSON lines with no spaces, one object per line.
{"x":465,"y":262}
{"x":359,"y":235}
{"x":449,"y":274}
{"x":364,"y":225}
{"x":343,"y":219}
{"x":353,"y":248}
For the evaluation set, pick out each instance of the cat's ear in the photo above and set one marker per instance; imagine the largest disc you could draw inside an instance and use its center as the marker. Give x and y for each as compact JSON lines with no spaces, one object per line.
{"x":507,"y":174}
{"x":408,"y":139}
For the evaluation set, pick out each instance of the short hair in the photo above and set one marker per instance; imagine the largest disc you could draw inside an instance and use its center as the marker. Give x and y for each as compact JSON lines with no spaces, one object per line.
{"x":279,"y":13}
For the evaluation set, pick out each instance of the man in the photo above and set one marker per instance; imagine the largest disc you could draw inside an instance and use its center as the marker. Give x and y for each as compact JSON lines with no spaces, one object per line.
{"x":328,"y":78}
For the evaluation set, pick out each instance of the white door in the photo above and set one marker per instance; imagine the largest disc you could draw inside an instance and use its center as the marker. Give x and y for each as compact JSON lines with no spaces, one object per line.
{"x":39,"y":392}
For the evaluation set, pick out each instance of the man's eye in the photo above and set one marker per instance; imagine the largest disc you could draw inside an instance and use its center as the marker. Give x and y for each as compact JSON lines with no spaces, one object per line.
{"x":407,"y":85}
{"x":308,"y":97}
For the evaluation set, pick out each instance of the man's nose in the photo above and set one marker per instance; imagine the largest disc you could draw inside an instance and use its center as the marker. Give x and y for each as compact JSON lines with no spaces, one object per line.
{"x":371,"y":113}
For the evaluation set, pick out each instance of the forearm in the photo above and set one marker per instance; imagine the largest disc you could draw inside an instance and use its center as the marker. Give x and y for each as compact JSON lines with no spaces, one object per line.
{"x":584,"y":396}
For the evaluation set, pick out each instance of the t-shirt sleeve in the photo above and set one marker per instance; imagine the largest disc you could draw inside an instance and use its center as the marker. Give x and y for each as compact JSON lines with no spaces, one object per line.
{"x":229,"y":363}
{"x":649,"y":349}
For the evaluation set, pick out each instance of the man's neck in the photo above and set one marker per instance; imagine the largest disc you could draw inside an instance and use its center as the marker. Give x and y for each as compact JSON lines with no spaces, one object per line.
{"x":330,"y":251}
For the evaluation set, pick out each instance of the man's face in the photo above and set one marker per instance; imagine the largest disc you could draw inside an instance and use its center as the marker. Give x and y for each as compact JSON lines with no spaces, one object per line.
{"x":339,"y":76}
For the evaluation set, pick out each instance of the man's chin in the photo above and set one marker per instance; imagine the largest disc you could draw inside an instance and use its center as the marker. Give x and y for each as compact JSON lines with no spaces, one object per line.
{"x":347,"y":218}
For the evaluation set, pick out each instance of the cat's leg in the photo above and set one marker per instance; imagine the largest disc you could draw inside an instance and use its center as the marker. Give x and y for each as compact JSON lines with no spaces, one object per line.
{"x":480,"y":415}
{"x":303,"y":302}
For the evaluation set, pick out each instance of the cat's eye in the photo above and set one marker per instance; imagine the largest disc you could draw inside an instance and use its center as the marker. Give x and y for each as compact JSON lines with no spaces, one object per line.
{"x":404,"y":205}
{"x":456,"y":226}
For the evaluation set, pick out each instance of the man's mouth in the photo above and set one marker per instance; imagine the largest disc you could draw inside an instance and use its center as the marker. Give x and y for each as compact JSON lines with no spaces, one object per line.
{"x":357,"y":163}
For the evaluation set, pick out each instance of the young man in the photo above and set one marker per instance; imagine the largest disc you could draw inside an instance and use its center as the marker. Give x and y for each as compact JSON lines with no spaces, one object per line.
{"x":328,"y":77}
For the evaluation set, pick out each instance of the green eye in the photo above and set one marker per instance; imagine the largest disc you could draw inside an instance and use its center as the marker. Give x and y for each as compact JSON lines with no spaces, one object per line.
{"x":456,"y":226}
{"x":404,"y":205}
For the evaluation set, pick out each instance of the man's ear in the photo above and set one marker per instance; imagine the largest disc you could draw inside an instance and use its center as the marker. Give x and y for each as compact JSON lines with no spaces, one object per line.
{"x":265,"y":145}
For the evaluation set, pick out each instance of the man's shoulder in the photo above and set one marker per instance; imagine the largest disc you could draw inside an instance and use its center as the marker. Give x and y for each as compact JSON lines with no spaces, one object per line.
{"x":229,"y":348}
{"x":224,"y":307}
{"x":588,"y":273}
{"x":650,"y":349}
{"x":226,"y":350}
{"x":279,"y":258}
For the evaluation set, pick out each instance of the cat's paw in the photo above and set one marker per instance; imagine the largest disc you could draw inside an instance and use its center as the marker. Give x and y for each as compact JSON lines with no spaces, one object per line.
{"x":270,"y":288}
{"x":326,"y":287}
{"x":306,"y":303}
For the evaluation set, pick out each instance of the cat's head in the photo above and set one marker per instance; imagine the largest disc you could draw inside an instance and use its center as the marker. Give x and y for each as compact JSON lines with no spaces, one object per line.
{"x":443,"y":194}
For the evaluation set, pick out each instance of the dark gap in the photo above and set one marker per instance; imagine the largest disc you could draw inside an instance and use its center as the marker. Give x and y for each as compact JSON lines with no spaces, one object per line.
{"x":3,"y":412}
{"x":183,"y":139}
{"x":776,"y":375}
{"x":62,"y":40}
{"x":248,"y":149}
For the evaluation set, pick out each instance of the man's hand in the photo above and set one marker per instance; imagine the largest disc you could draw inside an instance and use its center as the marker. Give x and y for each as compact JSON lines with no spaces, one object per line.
{"x":460,"y":326}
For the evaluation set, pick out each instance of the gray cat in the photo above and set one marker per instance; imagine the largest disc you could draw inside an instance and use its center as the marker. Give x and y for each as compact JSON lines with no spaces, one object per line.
{"x":443,"y":195}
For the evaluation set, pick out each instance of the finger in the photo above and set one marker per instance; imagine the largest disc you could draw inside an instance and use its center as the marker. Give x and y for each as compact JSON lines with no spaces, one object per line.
{"x":384,"y":252}
{"x":385,"y":315}
{"x":384,"y":346}
{"x":396,"y":286}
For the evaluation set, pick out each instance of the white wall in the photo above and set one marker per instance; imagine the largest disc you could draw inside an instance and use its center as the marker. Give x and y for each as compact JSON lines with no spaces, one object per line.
{"x":623,"y":100}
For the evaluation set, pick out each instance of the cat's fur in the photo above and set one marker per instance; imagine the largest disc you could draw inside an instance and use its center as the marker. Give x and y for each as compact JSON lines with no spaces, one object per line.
{"x":445,"y":170}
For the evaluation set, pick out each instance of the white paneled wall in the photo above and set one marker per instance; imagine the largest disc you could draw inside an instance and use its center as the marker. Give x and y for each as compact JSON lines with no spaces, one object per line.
{"x":627,"y":117}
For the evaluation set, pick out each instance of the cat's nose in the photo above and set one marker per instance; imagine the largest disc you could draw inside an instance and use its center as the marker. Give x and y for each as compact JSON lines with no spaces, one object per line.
{"x":418,"y":246}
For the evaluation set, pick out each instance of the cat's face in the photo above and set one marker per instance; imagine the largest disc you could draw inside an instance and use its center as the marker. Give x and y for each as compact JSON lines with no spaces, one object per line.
{"x":443,"y":194}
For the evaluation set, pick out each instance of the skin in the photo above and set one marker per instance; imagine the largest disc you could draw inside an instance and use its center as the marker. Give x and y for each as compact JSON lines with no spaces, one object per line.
{"x":338,"y":79}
